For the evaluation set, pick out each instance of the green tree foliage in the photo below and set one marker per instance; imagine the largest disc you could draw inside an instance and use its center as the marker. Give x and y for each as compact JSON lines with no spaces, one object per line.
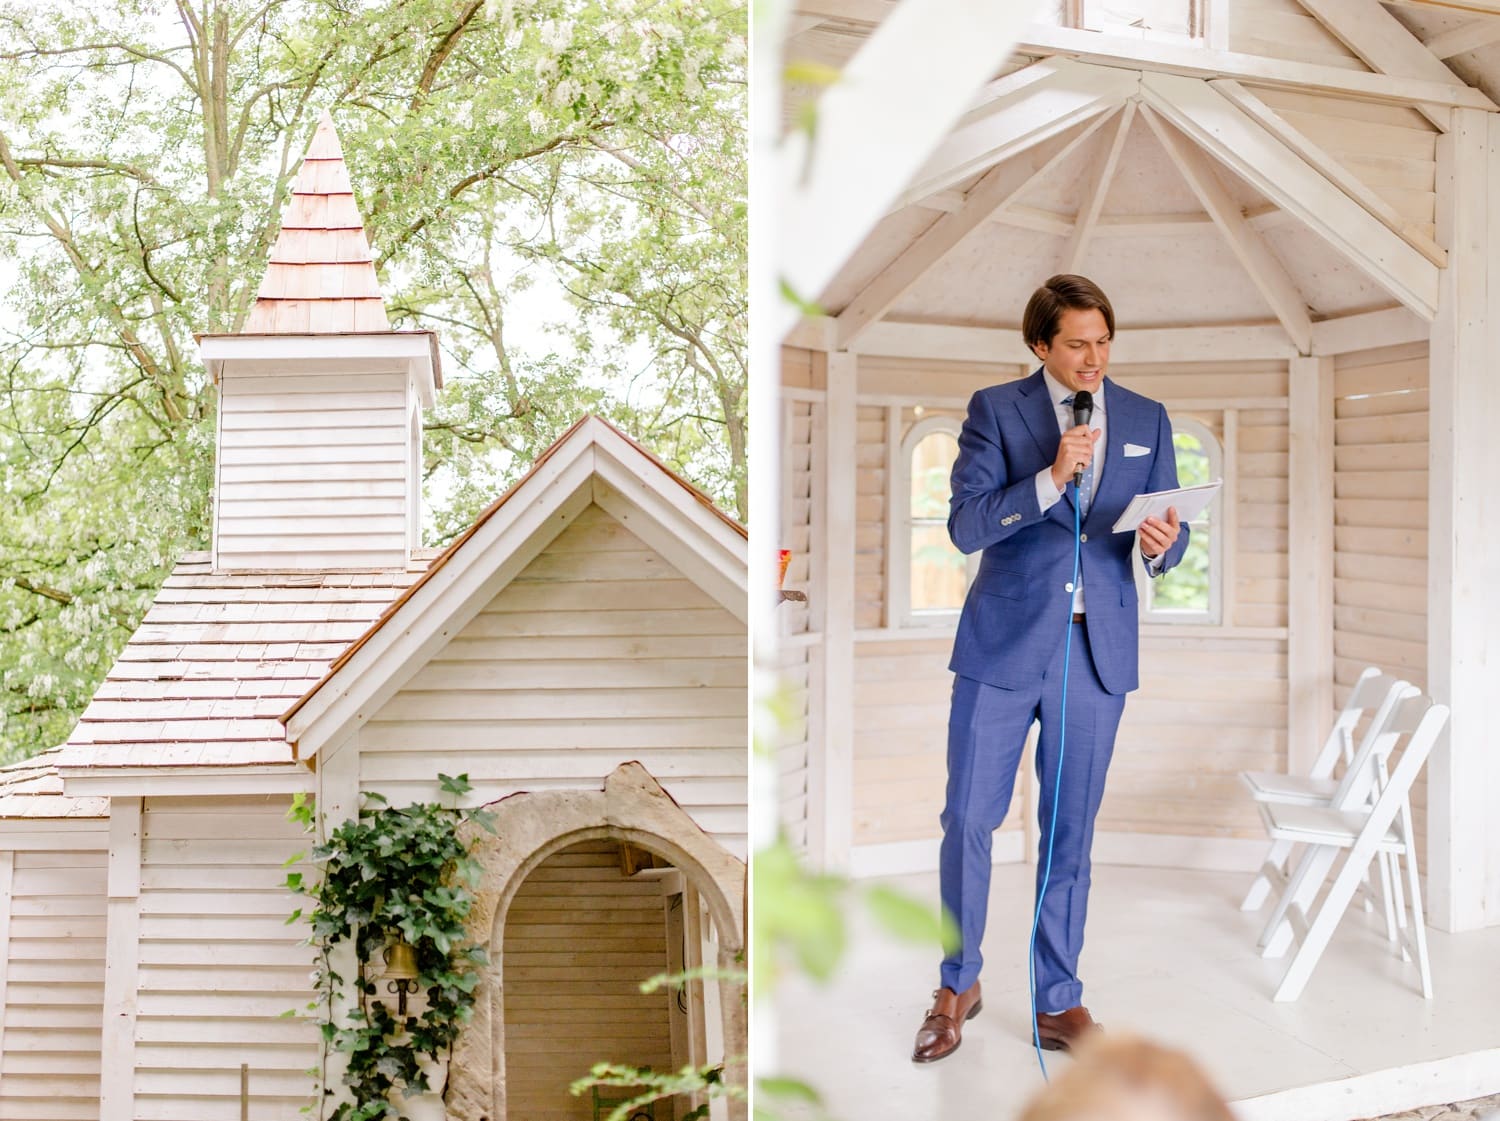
{"x":146,"y":154}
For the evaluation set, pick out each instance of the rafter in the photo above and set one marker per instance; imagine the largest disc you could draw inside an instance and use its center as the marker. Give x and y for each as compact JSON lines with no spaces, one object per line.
{"x":1055,"y":96}
{"x":906,"y":86}
{"x":1100,"y":177}
{"x":1380,"y":40}
{"x":1000,"y":186}
{"x":1044,"y":41}
{"x":1464,"y":38}
{"x":1329,"y":165}
{"x":1248,"y":247}
{"x":1244,"y":146}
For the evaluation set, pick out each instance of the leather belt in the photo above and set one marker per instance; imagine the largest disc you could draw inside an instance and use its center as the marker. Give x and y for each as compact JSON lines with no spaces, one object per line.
{"x":1078,"y":616}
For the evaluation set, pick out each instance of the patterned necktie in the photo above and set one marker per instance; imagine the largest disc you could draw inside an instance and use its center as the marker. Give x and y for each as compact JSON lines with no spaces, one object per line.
{"x":1085,"y":488}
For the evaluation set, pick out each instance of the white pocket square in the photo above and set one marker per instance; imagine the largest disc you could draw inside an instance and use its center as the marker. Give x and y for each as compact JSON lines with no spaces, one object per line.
{"x":1132,"y":450}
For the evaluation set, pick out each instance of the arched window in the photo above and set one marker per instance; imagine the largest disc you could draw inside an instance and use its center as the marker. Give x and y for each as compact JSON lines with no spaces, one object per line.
{"x":1193,"y":591}
{"x":929,"y":577}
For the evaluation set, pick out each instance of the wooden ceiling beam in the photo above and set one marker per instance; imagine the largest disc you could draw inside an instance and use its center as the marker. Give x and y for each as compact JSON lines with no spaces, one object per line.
{"x":1100,"y":177}
{"x":1243,"y":145}
{"x":1249,"y":248}
{"x":1470,"y":36}
{"x":1330,"y":166}
{"x":1000,"y":186}
{"x":1045,"y":41}
{"x":1380,"y":40}
{"x":900,"y":94}
{"x":1039,"y":102}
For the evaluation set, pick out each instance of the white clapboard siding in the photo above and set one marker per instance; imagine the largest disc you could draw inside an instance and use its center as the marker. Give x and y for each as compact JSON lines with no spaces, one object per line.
{"x":799,"y":520}
{"x":791,"y":742}
{"x":219,"y":965}
{"x":1210,"y":706}
{"x":1390,"y":148}
{"x":1285,"y":29}
{"x":1380,"y":539}
{"x":579,"y":939}
{"x":598,"y":653}
{"x":52,"y":956}
{"x":287,"y":443}
{"x":869,"y":516}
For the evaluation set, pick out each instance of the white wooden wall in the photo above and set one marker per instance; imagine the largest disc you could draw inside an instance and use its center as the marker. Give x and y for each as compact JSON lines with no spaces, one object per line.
{"x":1213,"y":699}
{"x":1285,"y":29}
{"x":1380,"y":511}
{"x":797,"y":657}
{"x":218,"y":963}
{"x":579,"y":940}
{"x":600,"y":652}
{"x":314,"y":471}
{"x":52,"y":974}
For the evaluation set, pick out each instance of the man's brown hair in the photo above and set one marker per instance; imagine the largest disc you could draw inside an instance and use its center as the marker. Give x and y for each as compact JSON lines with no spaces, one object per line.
{"x":1061,"y":292}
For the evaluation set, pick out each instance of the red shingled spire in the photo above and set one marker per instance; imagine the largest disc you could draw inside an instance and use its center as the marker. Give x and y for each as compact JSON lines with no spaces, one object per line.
{"x":321,"y":279}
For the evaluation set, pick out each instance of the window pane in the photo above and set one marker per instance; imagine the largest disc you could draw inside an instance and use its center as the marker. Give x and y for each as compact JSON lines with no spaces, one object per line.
{"x":1185,"y":588}
{"x":938,"y":573}
{"x":1174,"y":16}
{"x":1192,"y":460}
{"x":931,"y":464}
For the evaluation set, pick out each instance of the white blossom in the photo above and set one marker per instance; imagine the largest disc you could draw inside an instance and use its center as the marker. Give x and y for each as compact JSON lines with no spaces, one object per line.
{"x":537,"y":120}
{"x":557,"y":34}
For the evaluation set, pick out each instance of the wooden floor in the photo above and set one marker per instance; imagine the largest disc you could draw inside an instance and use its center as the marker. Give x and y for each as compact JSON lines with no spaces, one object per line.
{"x":1169,"y":956}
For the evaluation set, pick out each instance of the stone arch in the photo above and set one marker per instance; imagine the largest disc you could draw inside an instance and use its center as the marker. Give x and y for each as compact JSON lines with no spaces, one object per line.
{"x":531,"y":826}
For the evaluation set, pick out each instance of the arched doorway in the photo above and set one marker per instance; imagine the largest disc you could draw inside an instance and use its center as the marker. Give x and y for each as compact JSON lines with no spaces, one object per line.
{"x":583,"y":931}
{"x":632,"y":812}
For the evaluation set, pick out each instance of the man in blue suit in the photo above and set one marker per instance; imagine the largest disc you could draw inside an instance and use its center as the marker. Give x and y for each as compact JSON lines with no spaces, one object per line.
{"x":1014,"y":497}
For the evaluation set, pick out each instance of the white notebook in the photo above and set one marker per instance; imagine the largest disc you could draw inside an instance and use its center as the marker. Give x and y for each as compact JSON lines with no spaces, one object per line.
{"x":1190,"y":502}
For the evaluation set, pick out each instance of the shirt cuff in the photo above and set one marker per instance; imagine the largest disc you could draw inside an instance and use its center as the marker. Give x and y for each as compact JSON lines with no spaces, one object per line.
{"x":1153,"y":564}
{"x":1047,"y":494}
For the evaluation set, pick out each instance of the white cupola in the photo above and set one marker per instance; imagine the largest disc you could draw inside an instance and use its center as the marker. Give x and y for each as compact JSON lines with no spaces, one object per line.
{"x":319,"y":460}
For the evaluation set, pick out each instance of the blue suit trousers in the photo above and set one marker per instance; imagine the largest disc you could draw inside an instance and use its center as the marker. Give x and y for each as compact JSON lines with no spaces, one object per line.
{"x":986,"y":735}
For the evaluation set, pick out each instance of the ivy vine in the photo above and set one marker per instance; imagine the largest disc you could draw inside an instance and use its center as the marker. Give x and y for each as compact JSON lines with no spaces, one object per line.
{"x":391,"y":873}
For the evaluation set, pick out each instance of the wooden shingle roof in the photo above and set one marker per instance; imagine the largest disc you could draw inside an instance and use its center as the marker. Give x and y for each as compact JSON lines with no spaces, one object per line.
{"x":218,"y":658}
{"x":33,"y":789}
{"x":321,"y":278}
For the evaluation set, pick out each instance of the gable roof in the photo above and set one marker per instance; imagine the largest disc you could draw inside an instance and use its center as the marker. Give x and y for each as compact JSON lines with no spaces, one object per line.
{"x":33,"y":789}
{"x":215,"y":661}
{"x":593,"y":462}
{"x":321,"y":278}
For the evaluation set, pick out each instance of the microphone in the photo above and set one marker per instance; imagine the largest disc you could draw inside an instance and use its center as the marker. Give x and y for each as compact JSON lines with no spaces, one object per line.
{"x":1083,"y":409}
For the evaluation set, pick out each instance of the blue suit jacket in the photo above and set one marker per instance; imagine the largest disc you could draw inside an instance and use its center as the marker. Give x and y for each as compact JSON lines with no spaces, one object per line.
{"x":1018,"y":607}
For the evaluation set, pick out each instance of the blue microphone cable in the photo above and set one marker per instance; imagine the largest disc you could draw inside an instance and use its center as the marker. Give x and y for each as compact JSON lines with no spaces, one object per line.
{"x":1062,"y":739}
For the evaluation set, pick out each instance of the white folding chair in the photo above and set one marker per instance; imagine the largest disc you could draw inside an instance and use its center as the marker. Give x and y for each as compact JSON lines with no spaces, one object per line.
{"x":1361,"y":832}
{"x":1373,"y":689}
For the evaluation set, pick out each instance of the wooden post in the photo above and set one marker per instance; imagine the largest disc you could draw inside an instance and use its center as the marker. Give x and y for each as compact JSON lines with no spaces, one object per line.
{"x":1309,"y":659}
{"x":1463,"y":565}
{"x":244,"y":1092}
{"x":7,"y":893}
{"x":834,"y":762}
{"x":122,"y":950}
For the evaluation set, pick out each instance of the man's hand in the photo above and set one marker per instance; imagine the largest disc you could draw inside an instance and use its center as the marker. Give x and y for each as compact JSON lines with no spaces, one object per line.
{"x":1077,"y":448}
{"x":1157,"y":536}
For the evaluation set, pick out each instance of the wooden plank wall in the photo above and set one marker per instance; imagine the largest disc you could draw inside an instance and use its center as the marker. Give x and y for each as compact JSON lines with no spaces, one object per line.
{"x":1285,"y":29}
{"x":598,"y":653}
{"x":1389,"y":148}
{"x":218,"y":963}
{"x":1212,"y":701}
{"x":797,"y":657}
{"x":1225,"y":684}
{"x":1380,"y":516}
{"x":313,"y":470}
{"x":579,"y":940}
{"x":52,"y":979}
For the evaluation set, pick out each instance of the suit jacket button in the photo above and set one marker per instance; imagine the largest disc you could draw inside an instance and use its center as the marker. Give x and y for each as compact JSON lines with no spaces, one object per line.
{"x":1067,"y":587}
{"x":1083,"y":537}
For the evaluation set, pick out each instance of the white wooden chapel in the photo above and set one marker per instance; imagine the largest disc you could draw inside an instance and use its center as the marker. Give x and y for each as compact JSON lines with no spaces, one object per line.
{"x":1290,"y":204}
{"x":579,"y":652}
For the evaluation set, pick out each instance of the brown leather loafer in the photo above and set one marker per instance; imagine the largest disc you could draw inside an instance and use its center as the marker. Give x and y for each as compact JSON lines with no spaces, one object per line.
{"x":942,"y":1031}
{"x":1061,"y":1030}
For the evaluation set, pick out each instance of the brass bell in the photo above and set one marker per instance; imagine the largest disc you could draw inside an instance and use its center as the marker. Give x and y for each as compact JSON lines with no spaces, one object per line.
{"x":400,"y":961}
